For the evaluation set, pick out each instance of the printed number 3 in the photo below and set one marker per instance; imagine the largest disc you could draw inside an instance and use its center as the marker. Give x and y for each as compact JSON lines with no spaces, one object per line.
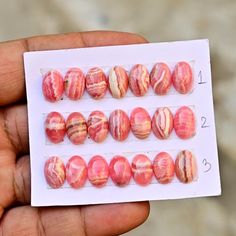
{"x":207,"y":165}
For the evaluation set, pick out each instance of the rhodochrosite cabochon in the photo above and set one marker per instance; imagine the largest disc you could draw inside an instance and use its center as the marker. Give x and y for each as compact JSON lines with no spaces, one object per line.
{"x":55,"y":127}
{"x":96,"y":83}
{"x":74,"y":83}
{"x":52,"y":86}
{"x":118,"y":82}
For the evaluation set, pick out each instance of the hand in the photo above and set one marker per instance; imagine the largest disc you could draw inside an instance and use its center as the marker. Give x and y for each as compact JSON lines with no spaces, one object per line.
{"x":17,"y":217}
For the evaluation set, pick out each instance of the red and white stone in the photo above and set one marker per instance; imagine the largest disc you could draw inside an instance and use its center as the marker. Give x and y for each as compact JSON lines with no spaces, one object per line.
{"x":52,"y":86}
{"x":119,"y":125}
{"x":139,"y":80}
{"x":142,"y":169}
{"x":96,"y":83}
{"x":76,"y":172}
{"x":97,"y":126}
{"x":54,"y":172}
{"x":186,"y":167}
{"x":184,"y":123}
{"x":162,"y":123}
{"x":161,"y":78}
{"x":55,"y":127}
{"x":74,"y":83}
{"x":182,"y":77}
{"x":140,"y":122}
{"x":98,"y":171}
{"x":120,"y":170}
{"x":76,"y":128}
{"x":164,"y":168}
{"x":118,"y":82}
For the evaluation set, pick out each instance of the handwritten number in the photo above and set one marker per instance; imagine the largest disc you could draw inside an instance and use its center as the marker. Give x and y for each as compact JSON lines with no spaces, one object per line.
{"x":207,"y":165}
{"x":201,"y":81}
{"x":204,"y":122}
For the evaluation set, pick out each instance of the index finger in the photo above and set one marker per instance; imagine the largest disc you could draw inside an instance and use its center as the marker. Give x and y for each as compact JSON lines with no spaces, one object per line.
{"x":12,"y":83}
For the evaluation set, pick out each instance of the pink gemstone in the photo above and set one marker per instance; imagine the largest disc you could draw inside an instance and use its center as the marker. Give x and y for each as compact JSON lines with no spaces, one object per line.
{"x":118,"y":82}
{"x":76,"y":172}
{"x":98,"y":171}
{"x":142,"y":169}
{"x":97,"y":126}
{"x":139,"y":80}
{"x":161,"y":78}
{"x":76,"y":128}
{"x":164,"y":168}
{"x":184,"y":123}
{"x":162,"y":123}
{"x":140,"y":122}
{"x":186,"y":167}
{"x":74,"y":83}
{"x":53,"y":86}
{"x":54,"y":172}
{"x":120,"y":170}
{"x":182,"y":78}
{"x":119,"y":125}
{"x":55,"y":127}
{"x":96,"y":83}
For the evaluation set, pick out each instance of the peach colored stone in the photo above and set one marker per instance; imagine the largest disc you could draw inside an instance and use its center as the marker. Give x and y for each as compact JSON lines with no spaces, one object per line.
{"x":164,"y":168}
{"x":139,"y":80}
{"x":142,"y":169}
{"x":140,"y":122}
{"x":97,"y":126}
{"x":76,"y":128}
{"x":184,"y":123}
{"x":182,"y":78}
{"x":54,"y":172}
{"x":53,"y":86}
{"x":120,"y":170}
{"x":74,"y":83}
{"x":161,"y":78}
{"x":119,"y":125}
{"x":162,"y":123}
{"x":55,"y":127}
{"x":98,"y":171}
{"x":96,"y":83}
{"x":186,"y":167}
{"x":118,"y":82}
{"x":76,"y":172}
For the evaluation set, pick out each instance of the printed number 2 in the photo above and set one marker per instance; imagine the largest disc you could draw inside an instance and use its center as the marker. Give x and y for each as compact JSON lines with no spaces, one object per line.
{"x":204,"y":122}
{"x":201,"y":81}
{"x":207,"y":165}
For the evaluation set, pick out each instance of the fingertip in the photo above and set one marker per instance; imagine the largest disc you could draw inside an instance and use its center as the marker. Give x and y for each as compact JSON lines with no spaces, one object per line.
{"x":114,"y":219}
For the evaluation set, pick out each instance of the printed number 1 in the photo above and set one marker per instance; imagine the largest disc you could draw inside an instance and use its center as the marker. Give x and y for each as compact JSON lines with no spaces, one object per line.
{"x":201,"y":81}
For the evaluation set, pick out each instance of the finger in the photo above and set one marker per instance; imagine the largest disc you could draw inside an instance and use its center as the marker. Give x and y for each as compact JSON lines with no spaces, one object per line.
{"x":15,"y":129}
{"x":113,"y":219}
{"x":14,"y":180}
{"x":12,"y":83}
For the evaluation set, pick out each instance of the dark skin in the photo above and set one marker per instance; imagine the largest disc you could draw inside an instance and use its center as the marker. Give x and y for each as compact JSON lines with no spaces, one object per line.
{"x":17,"y":217}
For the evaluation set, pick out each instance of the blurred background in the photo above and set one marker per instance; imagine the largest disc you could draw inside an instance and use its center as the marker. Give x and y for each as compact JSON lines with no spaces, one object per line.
{"x":158,"y":21}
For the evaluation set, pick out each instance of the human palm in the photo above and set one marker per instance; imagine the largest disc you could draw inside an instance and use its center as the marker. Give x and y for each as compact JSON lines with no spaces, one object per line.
{"x":17,"y":217}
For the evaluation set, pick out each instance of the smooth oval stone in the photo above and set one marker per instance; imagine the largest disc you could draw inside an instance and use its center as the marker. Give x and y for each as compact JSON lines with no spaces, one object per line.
{"x":55,"y":127}
{"x":54,"y":172}
{"x":186,"y":167}
{"x":74,"y":83}
{"x":98,"y":171}
{"x":52,"y":86}
{"x":164,"y":168}
{"x":76,"y":172}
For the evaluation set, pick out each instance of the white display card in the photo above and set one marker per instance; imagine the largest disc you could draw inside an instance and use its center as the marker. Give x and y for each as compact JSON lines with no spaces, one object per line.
{"x":203,"y":145}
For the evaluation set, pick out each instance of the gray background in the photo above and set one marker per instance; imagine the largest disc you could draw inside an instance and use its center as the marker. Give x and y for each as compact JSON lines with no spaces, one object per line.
{"x":158,"y":21}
